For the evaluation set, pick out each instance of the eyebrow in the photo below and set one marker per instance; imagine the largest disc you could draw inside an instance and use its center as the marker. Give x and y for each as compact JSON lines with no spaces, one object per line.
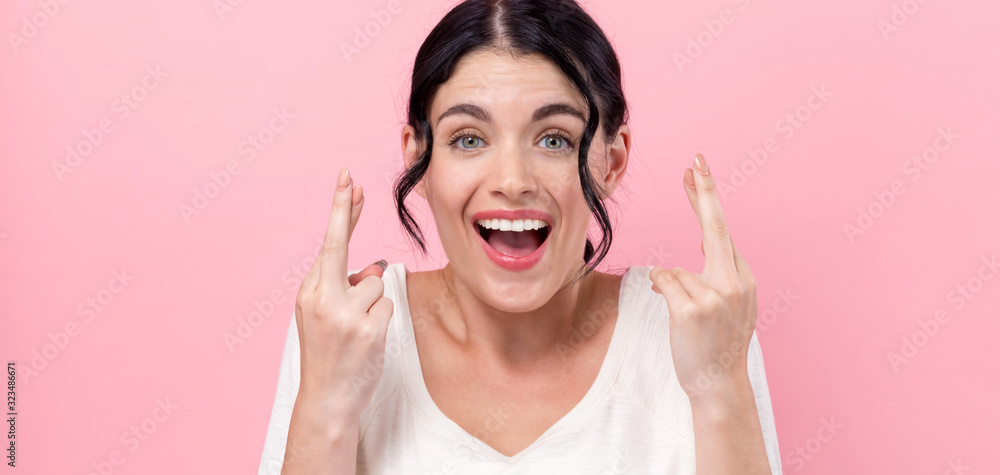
{"x":540,"y":113}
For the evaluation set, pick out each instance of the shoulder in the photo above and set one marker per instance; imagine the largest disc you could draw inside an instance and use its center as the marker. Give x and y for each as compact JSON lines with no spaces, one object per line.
{"x":647,"y":371}
{"x":638,"y":299}
{"x":389,"y":367}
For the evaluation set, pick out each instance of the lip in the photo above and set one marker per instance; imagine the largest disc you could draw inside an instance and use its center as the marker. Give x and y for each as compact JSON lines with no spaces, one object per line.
{"x":501,"y":259}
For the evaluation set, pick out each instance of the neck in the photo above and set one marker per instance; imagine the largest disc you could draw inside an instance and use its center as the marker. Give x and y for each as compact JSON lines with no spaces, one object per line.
{"x":557,"y":327}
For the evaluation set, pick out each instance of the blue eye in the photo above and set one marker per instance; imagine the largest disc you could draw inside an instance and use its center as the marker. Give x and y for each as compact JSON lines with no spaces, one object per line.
{"x":553,"y":142}
{"x":467,"y":138}
{"x":553,"y":138}
{"x":557,"y":139}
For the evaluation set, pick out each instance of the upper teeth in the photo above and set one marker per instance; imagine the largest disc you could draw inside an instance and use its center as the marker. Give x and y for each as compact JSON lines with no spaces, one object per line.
{"x":512,"y":225}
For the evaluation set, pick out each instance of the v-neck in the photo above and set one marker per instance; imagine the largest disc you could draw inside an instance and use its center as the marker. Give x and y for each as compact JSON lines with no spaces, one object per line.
{"x":439,"y":422}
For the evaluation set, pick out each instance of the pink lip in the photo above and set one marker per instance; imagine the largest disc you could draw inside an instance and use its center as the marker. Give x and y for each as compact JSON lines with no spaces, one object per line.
{"x":503,"y":260}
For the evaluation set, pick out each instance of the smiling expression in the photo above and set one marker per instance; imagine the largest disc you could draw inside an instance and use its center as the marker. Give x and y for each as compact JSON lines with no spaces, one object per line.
{"x":503,"y":184}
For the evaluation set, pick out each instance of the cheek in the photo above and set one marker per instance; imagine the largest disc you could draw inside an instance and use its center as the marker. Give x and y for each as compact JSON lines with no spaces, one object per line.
{"x":448,"y":190}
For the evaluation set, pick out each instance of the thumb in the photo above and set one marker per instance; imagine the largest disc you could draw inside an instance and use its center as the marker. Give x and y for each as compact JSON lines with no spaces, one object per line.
{"x":375,"y":269}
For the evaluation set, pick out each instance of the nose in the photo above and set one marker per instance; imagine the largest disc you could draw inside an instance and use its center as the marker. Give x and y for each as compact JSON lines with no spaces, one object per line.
{"x":512,"y":174}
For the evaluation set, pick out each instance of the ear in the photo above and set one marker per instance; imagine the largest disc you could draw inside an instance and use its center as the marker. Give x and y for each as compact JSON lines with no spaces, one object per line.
{"x":617,"y":161}
{"x":411,"y":149}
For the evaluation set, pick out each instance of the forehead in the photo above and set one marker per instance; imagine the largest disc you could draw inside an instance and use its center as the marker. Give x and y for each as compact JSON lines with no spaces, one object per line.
{"x":495,"y":79}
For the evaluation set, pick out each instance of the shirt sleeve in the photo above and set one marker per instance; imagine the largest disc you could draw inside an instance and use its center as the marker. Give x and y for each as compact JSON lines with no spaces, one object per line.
{"x":284,"y":399}
{"x":758,"y":380}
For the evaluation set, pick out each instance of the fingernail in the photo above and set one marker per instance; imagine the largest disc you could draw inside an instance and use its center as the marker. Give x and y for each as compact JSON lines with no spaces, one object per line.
{"x":382,"y":263}
{"x":689,"y":179}
{"x":700,"y":165}
{"x":343,"y":179}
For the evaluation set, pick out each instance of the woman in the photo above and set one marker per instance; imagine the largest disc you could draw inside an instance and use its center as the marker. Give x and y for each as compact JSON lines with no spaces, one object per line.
{"x":518,"y":356}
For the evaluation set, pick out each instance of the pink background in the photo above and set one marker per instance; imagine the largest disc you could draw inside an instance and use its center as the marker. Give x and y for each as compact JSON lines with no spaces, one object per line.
{"x":857,"y":299}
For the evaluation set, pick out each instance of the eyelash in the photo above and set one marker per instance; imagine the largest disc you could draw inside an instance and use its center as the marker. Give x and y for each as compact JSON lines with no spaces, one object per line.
{"x":570,"y":144}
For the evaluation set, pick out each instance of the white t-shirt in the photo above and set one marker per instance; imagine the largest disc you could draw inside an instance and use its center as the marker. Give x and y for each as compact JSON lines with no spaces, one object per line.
{"x":634,"y":419}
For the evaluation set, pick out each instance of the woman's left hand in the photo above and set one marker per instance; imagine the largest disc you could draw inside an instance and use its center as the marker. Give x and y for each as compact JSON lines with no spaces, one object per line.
{"x":712,"y":315}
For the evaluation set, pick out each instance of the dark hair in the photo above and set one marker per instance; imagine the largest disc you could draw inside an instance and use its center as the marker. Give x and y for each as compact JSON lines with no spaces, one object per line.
{"x":557,"y":29}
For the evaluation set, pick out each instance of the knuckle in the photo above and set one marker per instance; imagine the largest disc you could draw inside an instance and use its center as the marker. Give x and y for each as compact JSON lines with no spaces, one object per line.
{"x":709,"y":184}
{"x":370,"y":334}
{"x":319,"y":304}
{"x":690,"y":309}
{"x":383,"y":306}
{"x":714,"y":301}
{"x":376,"y":283}
{"x":718,"y":226}
{"x":304,"y":299}
{"x":369,"y":288}
{"x":332,"y":246}
{"x":325,"y":305}
{"x":731,"y":290}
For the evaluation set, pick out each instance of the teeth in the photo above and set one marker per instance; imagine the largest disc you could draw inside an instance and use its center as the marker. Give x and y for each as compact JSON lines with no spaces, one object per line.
{"x":512,"y":225}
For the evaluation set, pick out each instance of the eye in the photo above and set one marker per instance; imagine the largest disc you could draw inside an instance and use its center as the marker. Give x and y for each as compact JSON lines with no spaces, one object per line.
{"x":465,"y":137}
{"x":556,"y":141}
{"x":470,"y":140}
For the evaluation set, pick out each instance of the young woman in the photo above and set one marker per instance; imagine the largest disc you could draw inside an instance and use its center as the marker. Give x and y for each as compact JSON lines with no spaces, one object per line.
{"x":518,"y":356}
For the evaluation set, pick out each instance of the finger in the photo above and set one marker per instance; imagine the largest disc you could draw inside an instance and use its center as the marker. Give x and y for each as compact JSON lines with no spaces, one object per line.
{"x":741,"y":264}
{"x":357,"y":203}
{"x":665,"y":283}
{"x":719,"y":260}
{"x":375,"y":269}
{"x":692,"y":194}
{"x":654,"y":274}
{"x":311,"y":281}
{"x":748,"y":283}
{"x":363,"y":295}
{"x":333,"y":255}
{"x":694,"y":284}
{"x":381,"y":311}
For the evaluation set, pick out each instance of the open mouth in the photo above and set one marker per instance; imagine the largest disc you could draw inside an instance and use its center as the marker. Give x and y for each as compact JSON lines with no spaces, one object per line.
{"x":516,"y":238}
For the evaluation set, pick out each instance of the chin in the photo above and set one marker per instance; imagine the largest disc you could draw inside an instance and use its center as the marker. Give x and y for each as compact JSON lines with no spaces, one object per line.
{"x":516,"y":292}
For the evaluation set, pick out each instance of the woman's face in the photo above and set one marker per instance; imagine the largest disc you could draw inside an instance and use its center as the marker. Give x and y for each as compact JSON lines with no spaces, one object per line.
{"x":506,"y":137}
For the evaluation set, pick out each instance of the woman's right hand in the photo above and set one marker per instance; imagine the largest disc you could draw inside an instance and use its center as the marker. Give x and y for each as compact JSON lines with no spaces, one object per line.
{"x":341,"y":320}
